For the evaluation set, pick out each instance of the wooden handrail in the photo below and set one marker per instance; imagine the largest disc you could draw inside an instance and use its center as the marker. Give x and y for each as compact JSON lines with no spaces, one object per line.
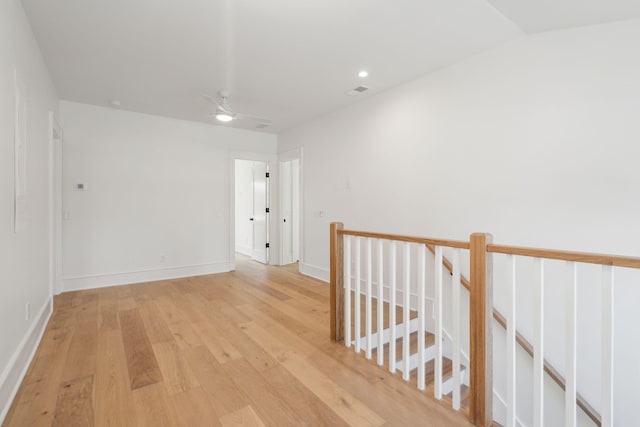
{"x":528,"y":347}
{"x":589,"y":258}
{"x":411,"y":239}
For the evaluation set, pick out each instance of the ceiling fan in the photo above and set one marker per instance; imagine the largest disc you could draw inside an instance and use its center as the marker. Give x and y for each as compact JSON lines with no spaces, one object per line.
{"x":224,"y":113}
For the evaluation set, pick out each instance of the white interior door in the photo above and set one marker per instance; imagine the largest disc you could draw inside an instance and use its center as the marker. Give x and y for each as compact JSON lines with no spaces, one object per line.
{"x":244,"y":207}
{"x":290,"y":210}
{"x":260,"y":251}
{"x":286,"y":210}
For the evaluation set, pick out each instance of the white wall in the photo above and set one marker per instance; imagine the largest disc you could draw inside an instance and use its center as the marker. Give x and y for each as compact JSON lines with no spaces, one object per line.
{"x":24,"y":256}
{"x":157,"y":200}
{"x":535,"y":141}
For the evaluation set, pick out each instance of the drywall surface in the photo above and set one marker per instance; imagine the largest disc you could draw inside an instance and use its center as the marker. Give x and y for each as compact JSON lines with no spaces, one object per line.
{"x":156,"y":200}
{"x":24,"y":255}
{"x":535,"y":141}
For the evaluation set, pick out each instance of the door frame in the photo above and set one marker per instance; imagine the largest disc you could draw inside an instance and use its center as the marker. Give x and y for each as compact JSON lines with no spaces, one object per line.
{"x":55,"y":205}
{"x":272,"y":162}
{"x":295,"y":154}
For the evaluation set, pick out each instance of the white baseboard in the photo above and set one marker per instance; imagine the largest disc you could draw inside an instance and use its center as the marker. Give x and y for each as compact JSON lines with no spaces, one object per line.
{"x":14,"y":372}
{"x":244,"y":250}
{"x":113,"y":279}
{"x":315,"y":272}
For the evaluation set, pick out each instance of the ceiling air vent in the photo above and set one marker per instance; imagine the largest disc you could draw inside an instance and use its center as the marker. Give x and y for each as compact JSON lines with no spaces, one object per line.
{"x":357,"y":90}
{"x":261,"y":125}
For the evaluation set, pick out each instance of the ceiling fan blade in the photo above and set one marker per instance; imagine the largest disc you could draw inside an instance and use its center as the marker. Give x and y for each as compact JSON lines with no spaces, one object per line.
{"x":253,"y":118}
{"x":209,"y":98}
{"x":216,"y":101}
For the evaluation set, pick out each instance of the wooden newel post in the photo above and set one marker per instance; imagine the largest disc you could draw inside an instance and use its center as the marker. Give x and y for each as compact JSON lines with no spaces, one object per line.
{"x":337,"y":282}
{"x":481,"y":307}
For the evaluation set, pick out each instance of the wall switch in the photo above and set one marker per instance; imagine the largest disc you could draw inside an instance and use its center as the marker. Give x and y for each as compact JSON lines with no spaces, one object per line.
{"x":28,"y":311}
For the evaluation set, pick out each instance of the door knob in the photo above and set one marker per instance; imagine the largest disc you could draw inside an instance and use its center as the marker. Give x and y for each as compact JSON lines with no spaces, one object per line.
{"x":250,"y":219}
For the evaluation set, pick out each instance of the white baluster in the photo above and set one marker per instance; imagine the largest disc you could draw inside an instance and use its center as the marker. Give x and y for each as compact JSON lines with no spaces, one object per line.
{"x":570,"y":345}
{"x":368,"y":299}
{"x":437,"y":374}
{"x":392,"y":306}
{"x":380,"y":311}
{"x":455,"y":332}
{"x":511,"y":342}
{"x":406,"y":308}
{"x":538,"y":345}
{"x":356,"y":303}
{"x":422,"y":309}
{"x":347,"y":291}
{"x":607,"y":345}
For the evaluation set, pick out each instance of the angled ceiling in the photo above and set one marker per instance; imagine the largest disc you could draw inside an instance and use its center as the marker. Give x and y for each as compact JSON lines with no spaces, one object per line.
{"x":535,"y":16}
{"x":285,"y":60}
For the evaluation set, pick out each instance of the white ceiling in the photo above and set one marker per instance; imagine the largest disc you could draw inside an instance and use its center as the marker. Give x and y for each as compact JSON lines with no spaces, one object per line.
{"x":286,"y":60}
{"x":535,"y":16}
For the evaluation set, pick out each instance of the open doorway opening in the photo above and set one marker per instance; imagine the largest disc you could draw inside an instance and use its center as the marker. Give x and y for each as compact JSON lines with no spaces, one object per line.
{"x":252,"y":209}
{"x":290,"y":211}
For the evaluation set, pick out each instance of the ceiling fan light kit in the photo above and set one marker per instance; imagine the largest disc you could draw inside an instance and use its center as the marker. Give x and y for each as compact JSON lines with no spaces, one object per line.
{"x":224,"y":113}
{"x":223,"y":117}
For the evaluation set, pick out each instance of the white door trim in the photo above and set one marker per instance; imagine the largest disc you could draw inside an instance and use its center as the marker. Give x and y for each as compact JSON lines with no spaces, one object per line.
{"x":272,"y":161}
{"x":55,"y":205}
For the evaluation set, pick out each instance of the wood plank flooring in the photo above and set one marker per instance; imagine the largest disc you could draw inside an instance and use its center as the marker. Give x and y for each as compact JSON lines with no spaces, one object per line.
{"x":246,"y":348}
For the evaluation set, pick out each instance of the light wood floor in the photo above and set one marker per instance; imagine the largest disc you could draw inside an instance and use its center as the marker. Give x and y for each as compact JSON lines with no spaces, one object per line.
{"x":247,"y":348}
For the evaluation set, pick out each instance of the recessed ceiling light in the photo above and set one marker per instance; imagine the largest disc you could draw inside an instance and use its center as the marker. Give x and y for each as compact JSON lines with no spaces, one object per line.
{"x":223,"y":117}
{"x":362,"y":74}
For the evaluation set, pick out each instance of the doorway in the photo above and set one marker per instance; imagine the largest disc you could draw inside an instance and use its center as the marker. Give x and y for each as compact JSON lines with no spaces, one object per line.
{"x":252,"y":209}
{"x":290,"y":211}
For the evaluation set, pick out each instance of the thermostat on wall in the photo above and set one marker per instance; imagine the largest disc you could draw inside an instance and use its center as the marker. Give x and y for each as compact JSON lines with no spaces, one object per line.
{"x":81,"y":187}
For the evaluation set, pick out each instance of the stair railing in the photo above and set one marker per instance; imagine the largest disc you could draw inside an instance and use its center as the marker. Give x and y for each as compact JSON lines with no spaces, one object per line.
{"x":348,"y":287}
{"x":481,"y":310}
{"x":528,"y":347}
{"x":573,"y":259}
